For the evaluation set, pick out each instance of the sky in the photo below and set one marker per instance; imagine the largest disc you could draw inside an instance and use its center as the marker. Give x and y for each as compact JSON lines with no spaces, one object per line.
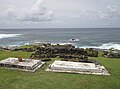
{"x":59,"y":13}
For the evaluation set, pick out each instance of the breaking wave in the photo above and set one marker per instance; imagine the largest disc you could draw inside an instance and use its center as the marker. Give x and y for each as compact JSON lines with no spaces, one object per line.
{"x":8,"y":35}
{"x":105,"y":46}
{"x":61,"y":43}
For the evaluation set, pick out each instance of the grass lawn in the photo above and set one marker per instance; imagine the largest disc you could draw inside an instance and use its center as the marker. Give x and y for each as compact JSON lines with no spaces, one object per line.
{"x":11,"y":79}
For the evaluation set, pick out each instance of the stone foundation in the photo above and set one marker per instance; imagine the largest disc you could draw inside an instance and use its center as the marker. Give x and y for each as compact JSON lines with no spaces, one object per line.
{"x":24,"y":65}
{"x":77,"y":67}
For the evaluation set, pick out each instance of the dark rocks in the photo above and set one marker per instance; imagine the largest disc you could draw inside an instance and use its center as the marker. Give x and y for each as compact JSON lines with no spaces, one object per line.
{"x":111,"y":53}
{"x":65,"y":52}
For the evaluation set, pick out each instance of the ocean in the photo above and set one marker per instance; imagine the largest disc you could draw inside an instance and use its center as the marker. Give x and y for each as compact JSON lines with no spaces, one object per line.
{"x":103,"y":38}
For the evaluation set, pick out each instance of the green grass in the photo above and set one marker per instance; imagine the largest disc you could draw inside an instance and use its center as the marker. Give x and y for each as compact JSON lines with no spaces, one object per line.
{"x":11,"y":79}
{"x":26,"y":46}
{"x":6,"y":54}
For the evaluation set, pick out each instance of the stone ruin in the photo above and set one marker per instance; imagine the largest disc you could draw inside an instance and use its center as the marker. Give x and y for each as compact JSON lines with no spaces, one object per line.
{"x":77,"y":67}
{"x":21,"y":64}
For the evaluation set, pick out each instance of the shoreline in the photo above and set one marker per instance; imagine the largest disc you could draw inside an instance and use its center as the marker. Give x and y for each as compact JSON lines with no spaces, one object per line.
{"x":40,"y":43}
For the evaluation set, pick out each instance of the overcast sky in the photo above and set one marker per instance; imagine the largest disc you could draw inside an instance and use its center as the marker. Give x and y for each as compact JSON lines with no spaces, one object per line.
{"x":59,"y":13}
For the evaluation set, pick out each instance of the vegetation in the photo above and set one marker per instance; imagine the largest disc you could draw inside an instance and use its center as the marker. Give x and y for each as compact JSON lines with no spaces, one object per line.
{"x":46,"y":59}
{"x":91,"y":52}
{"x":12,"y":79}
{"x":7,"y":53}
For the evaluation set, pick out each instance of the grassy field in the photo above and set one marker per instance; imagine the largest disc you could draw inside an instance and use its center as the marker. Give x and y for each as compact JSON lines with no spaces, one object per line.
{"x":11,"y":79}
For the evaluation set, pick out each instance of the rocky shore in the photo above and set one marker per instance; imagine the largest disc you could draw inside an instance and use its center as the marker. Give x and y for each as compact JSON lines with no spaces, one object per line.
{"x":67,"y":51}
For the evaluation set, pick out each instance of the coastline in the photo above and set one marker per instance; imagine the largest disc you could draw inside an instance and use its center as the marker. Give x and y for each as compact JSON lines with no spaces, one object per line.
{"x":39,"y":43}
{"x":111,"y":64}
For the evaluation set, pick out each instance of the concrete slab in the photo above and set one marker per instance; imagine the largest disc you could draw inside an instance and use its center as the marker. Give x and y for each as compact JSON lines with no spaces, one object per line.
{"x":26,"y":65}
{"x":77,"y":67}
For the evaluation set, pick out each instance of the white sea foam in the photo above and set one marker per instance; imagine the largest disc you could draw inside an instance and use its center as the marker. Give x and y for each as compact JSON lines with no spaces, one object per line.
{"x":61,"y":43}
{"x":105,"y":46}
{"x":8,"y":35}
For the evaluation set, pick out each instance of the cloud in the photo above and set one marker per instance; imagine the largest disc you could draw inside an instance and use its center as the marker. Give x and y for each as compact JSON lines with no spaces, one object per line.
{"x":111,"y":12}
{"x":38,"y":12}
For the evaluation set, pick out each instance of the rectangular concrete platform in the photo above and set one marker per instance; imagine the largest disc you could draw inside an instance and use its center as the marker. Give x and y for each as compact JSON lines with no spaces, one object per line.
{"x":77,"y":67}
{"x":26,"y":64}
